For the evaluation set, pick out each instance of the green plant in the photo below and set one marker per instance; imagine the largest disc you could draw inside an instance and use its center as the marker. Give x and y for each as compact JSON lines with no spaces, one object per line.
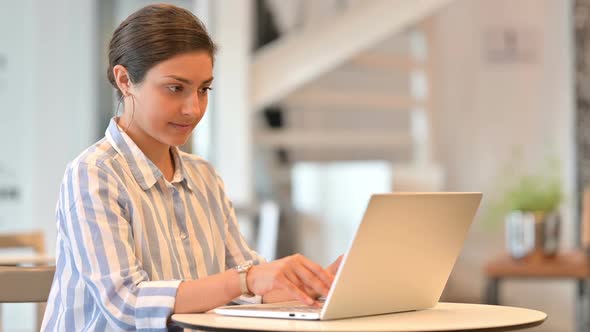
{"x":534,"y":193}
{"x":541,"y":192}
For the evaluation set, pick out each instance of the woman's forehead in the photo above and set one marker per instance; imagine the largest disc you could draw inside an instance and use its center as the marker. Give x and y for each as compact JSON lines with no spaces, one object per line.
{"x":196,"y":67}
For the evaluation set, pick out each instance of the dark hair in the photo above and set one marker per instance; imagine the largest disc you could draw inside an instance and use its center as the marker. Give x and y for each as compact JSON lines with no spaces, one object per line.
{"x":153,"y":34}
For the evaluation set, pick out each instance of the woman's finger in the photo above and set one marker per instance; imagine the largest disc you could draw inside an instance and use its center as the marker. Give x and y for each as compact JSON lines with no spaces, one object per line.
{"x":299,"y":283}
{"x":310,"y":279}
{"x":297,"y":292}
{"x":326,"y":277}
{"x":292,"y":276}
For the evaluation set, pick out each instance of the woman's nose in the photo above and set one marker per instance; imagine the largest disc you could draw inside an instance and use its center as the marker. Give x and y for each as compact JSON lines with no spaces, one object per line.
{"x":192,"y":106}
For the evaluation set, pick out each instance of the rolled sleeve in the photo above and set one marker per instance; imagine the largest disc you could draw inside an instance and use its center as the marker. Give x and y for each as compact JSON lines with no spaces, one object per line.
{"x":102,"y":246}
{"x":155,"y":303}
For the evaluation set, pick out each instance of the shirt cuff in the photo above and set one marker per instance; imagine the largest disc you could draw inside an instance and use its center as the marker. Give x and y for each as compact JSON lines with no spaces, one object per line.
{"x":155,"y":303}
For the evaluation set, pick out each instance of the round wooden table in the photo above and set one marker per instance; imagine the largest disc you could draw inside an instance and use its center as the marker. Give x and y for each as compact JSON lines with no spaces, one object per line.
{"x":443,"y":317}
{"x":15,"y":260}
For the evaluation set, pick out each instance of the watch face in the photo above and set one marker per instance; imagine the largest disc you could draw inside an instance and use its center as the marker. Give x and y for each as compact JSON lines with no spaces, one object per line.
{"x":244,"y":267}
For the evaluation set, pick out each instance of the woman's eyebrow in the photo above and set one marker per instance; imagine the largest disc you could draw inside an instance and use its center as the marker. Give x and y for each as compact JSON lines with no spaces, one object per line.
{"x":181,"y":79}
{"x":187,"y":81}
{"x":208,"y":81}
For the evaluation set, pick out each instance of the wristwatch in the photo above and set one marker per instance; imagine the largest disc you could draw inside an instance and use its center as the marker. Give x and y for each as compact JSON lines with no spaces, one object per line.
{"x":243,"y":272}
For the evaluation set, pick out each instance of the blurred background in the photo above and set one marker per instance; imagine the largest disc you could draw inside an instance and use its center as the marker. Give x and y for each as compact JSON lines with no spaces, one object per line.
{"x":317,"y":105}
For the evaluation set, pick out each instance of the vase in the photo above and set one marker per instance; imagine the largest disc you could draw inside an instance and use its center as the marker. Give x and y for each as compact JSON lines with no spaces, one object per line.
{"x":529,"y":233}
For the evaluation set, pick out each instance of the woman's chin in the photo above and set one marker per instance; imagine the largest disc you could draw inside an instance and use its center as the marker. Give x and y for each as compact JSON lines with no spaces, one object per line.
{"x":176,"y":140}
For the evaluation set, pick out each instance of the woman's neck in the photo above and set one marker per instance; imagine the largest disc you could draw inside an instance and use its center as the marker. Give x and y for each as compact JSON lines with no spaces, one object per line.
{"x":159,"y":153}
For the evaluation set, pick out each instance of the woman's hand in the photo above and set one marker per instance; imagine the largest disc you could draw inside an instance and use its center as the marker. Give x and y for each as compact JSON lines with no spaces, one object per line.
{"x":293,"y":274}
{"x":333,"y":269}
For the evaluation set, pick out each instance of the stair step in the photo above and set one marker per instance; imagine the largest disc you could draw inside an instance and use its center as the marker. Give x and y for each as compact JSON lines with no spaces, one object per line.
{"x":386,"y":62}
{"x":360,"y":100}
{"x":351,"y":139}
{"x":348,"y":119}
{"x":351,"y":79}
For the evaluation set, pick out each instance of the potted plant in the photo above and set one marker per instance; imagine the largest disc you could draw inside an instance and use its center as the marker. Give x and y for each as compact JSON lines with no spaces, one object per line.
{"x":530,"y":210}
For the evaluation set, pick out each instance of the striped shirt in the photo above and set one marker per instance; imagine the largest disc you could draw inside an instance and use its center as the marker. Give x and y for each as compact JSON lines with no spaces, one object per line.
{"x":127,"y":237}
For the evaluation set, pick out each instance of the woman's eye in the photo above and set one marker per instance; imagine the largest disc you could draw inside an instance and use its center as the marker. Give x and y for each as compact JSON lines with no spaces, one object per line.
{"x":175,"y":88}
{"x":205,"y":90}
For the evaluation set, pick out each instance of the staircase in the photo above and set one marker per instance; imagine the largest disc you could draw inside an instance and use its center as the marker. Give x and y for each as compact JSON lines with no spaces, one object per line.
{"x":366,"y":96}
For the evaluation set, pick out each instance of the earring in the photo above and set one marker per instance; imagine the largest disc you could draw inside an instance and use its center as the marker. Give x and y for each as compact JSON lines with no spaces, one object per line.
{"x":123,"y":96}
{"x":132,"y":111}
{"x":118,"y":105}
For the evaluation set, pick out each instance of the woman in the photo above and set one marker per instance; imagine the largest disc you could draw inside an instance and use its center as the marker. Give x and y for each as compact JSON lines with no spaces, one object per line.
{"x":145,"y":230}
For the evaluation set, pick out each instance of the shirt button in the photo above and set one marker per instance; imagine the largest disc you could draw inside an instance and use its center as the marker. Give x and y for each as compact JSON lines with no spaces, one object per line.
{"x":183,"y":235}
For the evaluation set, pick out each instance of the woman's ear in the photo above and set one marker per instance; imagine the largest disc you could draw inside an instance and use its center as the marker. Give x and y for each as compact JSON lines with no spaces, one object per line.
{"x":122,"y":79}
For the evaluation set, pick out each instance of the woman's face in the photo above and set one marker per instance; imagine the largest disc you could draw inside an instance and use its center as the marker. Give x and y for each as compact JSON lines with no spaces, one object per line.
{"x":170,"y":101}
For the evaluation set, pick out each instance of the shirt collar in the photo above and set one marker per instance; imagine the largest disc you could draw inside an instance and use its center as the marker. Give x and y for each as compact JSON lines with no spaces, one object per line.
{"x":145,"y":172}
{"x":180,"y":173}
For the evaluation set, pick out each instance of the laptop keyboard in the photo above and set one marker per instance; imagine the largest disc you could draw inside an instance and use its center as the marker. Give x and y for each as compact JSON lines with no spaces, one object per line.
{"x":292,"y":308}
{"x":297,"y":308}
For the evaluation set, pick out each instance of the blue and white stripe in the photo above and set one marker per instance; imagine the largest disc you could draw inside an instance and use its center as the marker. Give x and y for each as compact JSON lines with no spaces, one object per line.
{"x":127,"y":237}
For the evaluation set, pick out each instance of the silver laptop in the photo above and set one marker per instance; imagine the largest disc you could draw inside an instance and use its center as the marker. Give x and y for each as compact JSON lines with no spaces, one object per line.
{"x":399,"y":260}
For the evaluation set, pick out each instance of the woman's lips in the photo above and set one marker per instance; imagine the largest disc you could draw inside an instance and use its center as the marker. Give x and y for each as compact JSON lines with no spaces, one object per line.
{"x":181,"y":127}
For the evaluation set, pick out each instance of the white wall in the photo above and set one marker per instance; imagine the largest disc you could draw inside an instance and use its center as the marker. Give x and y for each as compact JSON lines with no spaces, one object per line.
{"x":47,"y":103}
{"x":62,"y":116}
{"x":15,"y":85}
{"x":48,"y":112}
{"x":485,"y":108}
